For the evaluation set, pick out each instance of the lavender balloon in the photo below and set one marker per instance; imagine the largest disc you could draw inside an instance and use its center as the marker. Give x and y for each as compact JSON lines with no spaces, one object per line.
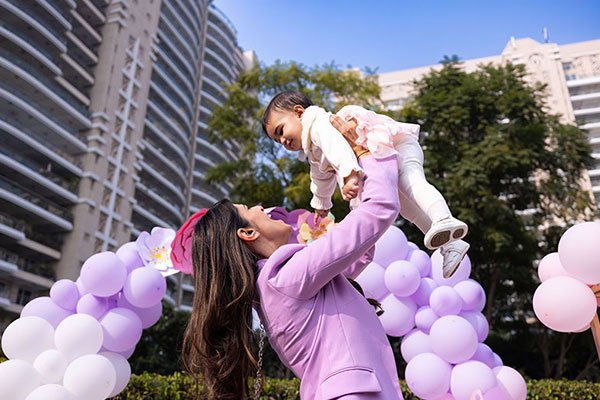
{"x":92,"y":305}
{"x":371,"y":279}
{"x":424,"y":318}
{"x":445,"y":300}
{"x":149,"y":316}
{"x":472,"y":295}
{"x":511,"y":381}
{"x":399,"y":316}
{"x":428,"y":376}
{"x":414,"y":343}
{"x":422,"y":261}
{"x":453,"y":338}
{"x":144,"y":287}
{"x":65,"y":294}
{"x":122,"y":329}
{"x":45,"y":308}
{"x":130,"y":256}
{"x":470,"y":377}
{"x":421,"y":296}
{"x":392,"y":246}
{"x":485,"y":355}
{"x":402,"y":278}
{"x":103,"y":274}
{"x":479,"y":322}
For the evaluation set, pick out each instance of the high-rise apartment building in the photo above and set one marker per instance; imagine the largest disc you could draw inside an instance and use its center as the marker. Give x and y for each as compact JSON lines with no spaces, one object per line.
{"x":104,"y":107}
{"x":571,"y":71}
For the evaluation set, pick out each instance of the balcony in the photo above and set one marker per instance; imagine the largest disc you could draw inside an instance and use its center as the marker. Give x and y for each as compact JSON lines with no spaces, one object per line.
{"x":36,"y":268}
{"x":172,"y":170}
{"x":38,"y":18}
{"x":167,"y":124}
{"x":170,"y":149}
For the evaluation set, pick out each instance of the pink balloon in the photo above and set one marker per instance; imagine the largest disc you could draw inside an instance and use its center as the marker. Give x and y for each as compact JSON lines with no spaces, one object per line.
{"x":414,"y":343}
{"x":462,"y":273}
{"x":479,"y":322}
{"x":511,"y":381}
{"x":472,"y":295}
{"x":424,"y":318}
{"x":65,"y":294}
{"x":564,"y":304}
{"x":402,"y":278}
{"x":421,"y":260}
{"x":130,"y":256}
{"x":122,"y":329}
{"x":371,"y":279}
{"x":45,"y":308}
{"x":103,"y":274}
{"x":144,"y":287}
{"x":496,"y":393}
{"x":92,"y":305}
{"x":428,"y":376}
{"x":421,"y":296}
{"x":453,"y":338}
{"x":550,"y":267}
{"x":579,"y":252}
{"x":445,"y":300}
{"x":149,"y":316}
{"x":470,"y":378}
{"x":399,"y":315}
{"x":391,"y":246}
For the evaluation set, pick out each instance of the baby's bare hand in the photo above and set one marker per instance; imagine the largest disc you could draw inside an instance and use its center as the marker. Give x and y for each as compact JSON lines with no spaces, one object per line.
{"x":350,"y":189}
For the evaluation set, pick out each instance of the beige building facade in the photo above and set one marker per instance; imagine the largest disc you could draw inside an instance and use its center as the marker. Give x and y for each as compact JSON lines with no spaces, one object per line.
{"x":571,"y":71}
{"x":104,"y":106}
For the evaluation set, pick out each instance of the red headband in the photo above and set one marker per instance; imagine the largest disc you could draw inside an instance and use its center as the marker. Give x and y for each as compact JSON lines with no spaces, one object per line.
{"x":181,"y":246}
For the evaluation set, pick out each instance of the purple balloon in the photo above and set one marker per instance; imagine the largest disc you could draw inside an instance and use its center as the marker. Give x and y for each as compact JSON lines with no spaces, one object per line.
{"x":462,"y":273}
{"x":149,"y":316}
{"x":128,"y":253}
{"x":485,"y":355}
{"x":45,"y":308}
{"x":470,"y":377}
{"x":421,"y":296}
{"x":498,"y":361}
{"x":496,"y":393}
{"x":127,"y":353}
{"x":481,"y":325}
{"x":92,"y":305}
{"x":421,"y":260}
{"x":122,"y":329}
{"x":392,"y":246}
{"x":82,"y":290}
{"x":402,"y":278}
{"x":428,"y":376}
{"x":453,"y":338}
{"x":445,"y":301}
{"x":414,"y":343}
{"x":371,"y":279}
{"x":399,"y":315}
{"x":424,"y":318}
{"x":65,"y":294}
{"x":144,"y":287}
{"x":472,"y":295}
{"x":103,"y":274}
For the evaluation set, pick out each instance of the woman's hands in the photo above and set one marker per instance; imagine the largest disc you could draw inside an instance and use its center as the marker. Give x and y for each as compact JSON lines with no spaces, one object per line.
{"x":348,"y":131}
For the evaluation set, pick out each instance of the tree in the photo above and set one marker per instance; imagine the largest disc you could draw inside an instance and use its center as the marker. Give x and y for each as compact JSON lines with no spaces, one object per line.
{"x":513,"y":173}
{"x":265,"y":172}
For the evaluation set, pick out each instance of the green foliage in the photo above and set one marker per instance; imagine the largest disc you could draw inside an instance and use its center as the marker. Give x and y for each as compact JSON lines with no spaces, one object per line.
{"x":266,"y":173}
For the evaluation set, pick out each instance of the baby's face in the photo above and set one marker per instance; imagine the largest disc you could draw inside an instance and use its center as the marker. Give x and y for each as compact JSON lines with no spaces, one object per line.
{"x":285,"y":127}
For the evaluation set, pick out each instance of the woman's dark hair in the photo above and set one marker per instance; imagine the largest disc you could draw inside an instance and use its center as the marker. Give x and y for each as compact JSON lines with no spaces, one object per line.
{"x":285,"y":101}
{"x":217,"y":344}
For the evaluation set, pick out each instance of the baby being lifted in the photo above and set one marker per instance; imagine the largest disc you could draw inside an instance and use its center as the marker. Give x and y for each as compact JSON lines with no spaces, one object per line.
{"x":293,"y":121}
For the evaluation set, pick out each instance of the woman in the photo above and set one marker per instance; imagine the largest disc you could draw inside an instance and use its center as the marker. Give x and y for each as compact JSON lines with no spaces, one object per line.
{"x":319,"y":325}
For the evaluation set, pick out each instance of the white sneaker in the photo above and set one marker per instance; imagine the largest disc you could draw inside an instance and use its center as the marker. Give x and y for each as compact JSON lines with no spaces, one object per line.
{"x":453,"y":253}
{"x":444,"y":231}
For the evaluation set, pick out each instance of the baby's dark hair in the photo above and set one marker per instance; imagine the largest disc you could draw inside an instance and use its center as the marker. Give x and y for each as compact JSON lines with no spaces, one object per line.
{"x":285,"y":101}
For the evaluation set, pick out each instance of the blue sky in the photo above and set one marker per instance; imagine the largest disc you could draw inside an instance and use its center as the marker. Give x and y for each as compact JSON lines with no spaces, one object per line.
{"x":391,"y":35}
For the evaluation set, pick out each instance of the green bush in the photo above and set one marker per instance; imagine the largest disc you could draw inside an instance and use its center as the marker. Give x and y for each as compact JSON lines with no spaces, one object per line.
{"x":181,"y":386}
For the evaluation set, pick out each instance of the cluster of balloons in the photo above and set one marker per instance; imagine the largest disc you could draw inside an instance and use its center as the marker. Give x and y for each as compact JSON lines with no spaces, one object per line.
{"x":75,"y":343}
{"x":564,"y":301}
{"x":441,"y":322}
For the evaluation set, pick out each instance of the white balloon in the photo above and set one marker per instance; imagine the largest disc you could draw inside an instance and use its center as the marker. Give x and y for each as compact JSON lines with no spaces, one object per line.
{"x":90,"y":377}
{"x":77,"y":335}
{"x":51,"y":392}
{"x":17,"y":380}
{"x":26,"y":337}
{"x":51,"y":365}
{"x":122,"y":368}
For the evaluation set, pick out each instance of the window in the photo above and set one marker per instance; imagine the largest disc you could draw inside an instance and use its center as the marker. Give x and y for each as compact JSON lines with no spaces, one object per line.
{"x":23,"y":296}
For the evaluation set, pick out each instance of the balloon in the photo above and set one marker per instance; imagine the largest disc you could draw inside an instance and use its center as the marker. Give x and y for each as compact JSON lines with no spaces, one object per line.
{"x":122,"y":369}
{"x":371,"y":279}
{"x":25,"y":338}
{"x":391,"y":246}
{"x":45,"y":308}
{"x":65,"y":294}
{"x":51,"y":365}
{"x":122,"y":329}
{"x":424,"y":318}
{"x":402,"y":278}
{"x":472,"y":295}
{"x":51,"y":392}
{"x":445,"y":300}
{"x":93,"y":306}
{"x":82,"y":290}
{"x":421,"y":296}
{"x":462,"y":273}
{"x":428,"y":376}
{"x":399,"y":315}
{"x":422,"y":261}
{"x":17,"y":379}
{"x":564,"y":304}
{"x":78,"y":335}
{"x":496,"y":393}
{"x":497,"y":360}
{"x":453,"y":338}
{"x":550,"y":267}
{"x":144,"y":287}
{"x":149,"y":316}
{"x":103,"y":274}
{"x":511,"y":381}
{"x":128,"y":253}
{"x":485,"y":355}
{"x":470,"y":377}
{"x":479,"y":322}
{"x":579,"y":252}
{"x":90,"y":377}
{"x":414,"y":343}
